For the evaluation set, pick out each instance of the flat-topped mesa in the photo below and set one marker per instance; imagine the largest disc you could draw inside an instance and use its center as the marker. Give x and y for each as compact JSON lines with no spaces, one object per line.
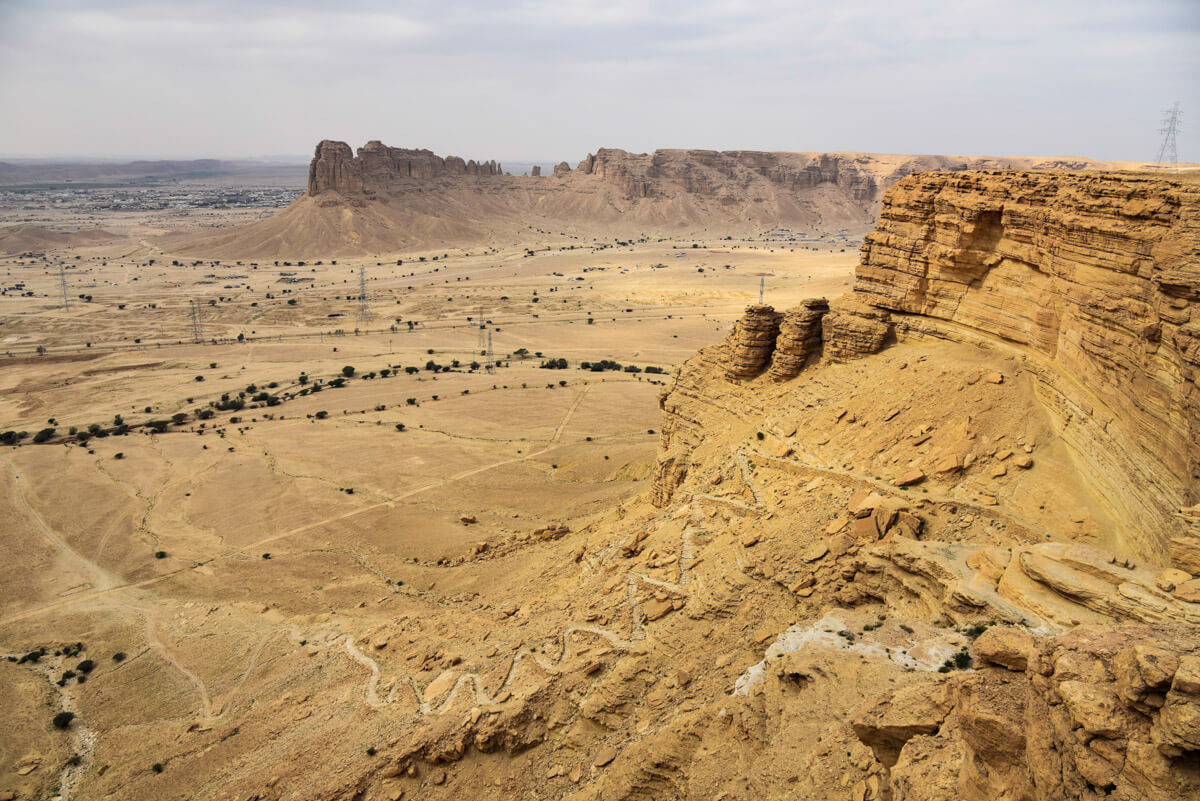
{"x":1094,"y":280}
{"x":335,"y":168}
{"x":712,"y":173}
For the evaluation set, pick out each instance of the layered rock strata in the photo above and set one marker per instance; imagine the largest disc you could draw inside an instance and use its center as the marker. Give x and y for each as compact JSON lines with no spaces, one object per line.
{"x":1091,"y":280}
{"x":1099,"y":712}
{"x":1094,"y":281}
{"x":384,"y":199}
{"x":752,"y":342}
{"x":799,"y":338}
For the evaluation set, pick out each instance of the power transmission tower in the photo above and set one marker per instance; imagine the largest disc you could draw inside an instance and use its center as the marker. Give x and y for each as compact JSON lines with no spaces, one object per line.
{"x":762,"y":284}
{"x":481,"y":347}
{"x":490,"y":364}
{"x":364,"y":314}
{"x":1168,"y":156}
{"x":197,"y":331}
{"x":62,"y":279}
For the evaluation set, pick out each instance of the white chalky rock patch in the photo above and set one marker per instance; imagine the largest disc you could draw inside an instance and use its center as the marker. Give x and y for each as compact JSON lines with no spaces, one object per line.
{"x":929,"y":653}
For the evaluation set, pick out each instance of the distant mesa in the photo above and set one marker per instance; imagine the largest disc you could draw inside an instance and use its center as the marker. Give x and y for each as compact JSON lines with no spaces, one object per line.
{"x":335,"y":168}
{"x":387,"y":199}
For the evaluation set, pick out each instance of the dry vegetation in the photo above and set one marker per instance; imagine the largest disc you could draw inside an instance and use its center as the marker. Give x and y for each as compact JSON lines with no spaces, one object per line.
{"x":230,"y":516}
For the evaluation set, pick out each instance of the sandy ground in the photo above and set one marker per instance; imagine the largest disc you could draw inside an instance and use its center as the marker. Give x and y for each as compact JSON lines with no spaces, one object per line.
{"x":202,"y":554}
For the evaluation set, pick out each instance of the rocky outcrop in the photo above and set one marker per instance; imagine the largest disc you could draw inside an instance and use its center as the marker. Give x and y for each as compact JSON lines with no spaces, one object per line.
{"x":376,"y":167}
{"x":536,"y":172}
{"x":799,"y":338}
{"x":752,"y":342}
{"x":562,"y":169}
{"x":1093,"y":279}
{"x":1099,"y":712}
{"x":710,"y":172}
{"x":854,"y":328}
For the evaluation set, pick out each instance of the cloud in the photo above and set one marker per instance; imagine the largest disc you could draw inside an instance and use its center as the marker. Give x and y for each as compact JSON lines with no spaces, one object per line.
{"x":551,"y":79}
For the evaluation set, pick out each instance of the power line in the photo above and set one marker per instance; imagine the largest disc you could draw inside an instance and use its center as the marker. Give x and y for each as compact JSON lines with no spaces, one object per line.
{"x":364,"y":314}
{"x":1168,"y":156}
{"x":197,"y":330}
{"x":62,"y":278}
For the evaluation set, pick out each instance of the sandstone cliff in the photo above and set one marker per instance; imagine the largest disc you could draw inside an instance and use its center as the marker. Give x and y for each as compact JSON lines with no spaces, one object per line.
{"x":1093,"y":280}
{"x":996,"y":432}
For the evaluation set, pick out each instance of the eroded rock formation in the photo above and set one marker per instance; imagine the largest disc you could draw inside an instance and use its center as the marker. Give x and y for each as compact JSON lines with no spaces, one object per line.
{"x":1094,"y":280}
{"x":799,"y":338}
{"x":376,"y":167}
{"x":1005,"y":408}
{"x":1098,"y":712}
{"x":400,"y":197}
{"x":752,"y":342}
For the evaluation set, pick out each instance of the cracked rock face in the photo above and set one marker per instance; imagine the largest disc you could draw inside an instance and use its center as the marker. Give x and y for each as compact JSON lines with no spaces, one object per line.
{"x":1093,"y":279}
{"x":1098,"y":712}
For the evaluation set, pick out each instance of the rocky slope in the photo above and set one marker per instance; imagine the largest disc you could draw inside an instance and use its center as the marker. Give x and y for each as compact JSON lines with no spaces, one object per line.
{"x":383,"y":199}
{"x":1011,"y":388}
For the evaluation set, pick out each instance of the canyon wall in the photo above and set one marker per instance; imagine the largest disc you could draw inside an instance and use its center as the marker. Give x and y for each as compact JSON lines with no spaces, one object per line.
{"x":1090,"y":280}
{"x":1094,"y":280}
{"x":723,"y":175}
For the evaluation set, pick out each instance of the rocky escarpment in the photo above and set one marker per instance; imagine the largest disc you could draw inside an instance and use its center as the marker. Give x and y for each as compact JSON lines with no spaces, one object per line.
{"x":384,"y":199}
{"x":1099,"y":712}
{"x":376,"y":167}
{"x":994,"y":434}
{"x":730,"y":173}
{"x":1091,"y":280}
{"x":1095,"y":281}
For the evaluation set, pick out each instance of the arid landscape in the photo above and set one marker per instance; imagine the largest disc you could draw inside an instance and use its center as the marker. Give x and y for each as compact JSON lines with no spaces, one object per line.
{"x":547,"y":513}
{"x":597,"y":400}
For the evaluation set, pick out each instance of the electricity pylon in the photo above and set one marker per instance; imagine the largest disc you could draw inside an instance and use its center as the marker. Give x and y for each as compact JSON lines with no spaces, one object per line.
{"x":1168,"y":155}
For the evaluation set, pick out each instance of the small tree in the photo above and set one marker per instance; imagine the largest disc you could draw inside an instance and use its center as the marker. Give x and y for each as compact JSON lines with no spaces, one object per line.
{"x":63,"y":720}
{"x":348,"y":371}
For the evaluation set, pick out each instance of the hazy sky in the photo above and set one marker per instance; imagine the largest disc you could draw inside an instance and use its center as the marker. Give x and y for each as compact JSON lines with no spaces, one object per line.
{"x":555,"y":79}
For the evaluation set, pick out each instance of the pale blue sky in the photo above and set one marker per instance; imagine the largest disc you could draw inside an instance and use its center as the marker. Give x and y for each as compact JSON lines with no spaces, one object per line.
{"x":555,"y":79}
